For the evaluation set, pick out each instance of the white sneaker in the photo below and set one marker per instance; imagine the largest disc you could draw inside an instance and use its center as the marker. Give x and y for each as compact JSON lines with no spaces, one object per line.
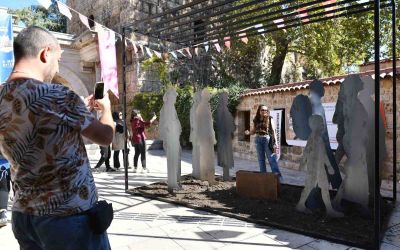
{"x":3,"y":218}
{"x":145,"y":170}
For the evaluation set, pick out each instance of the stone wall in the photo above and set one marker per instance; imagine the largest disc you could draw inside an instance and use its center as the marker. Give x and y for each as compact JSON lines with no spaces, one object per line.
{"x":291,"y":154}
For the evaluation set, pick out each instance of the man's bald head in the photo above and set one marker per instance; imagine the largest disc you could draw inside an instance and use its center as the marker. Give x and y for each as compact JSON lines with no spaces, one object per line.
{"x":30,"y":41}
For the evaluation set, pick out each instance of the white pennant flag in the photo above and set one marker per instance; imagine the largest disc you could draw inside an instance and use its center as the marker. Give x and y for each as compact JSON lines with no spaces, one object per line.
{"x":64,"y":10}
{"x":158,"y":54}
{"x":243,"y":37}
{"x":206,"y":47}
{"x":142,"y":48}
{"x":148,"y":51}
{"x":174,"y":54}
{"x":196,"y":51}
{"x":45,"y":3}
{"x":135,"y":48}
{"x":181,"y":52}
{"x":217,"y":46}
{"x":84,"y":20}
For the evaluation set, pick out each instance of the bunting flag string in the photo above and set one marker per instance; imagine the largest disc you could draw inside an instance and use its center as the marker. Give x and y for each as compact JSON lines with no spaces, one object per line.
{"x":64,"y":9}
{"x":84,"y":20}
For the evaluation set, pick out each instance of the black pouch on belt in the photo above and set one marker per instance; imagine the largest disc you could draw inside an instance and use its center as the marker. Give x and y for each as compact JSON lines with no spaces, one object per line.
{"x":100,"y":216}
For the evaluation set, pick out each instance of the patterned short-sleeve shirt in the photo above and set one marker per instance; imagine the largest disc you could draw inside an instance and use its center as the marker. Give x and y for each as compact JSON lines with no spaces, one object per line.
{"x":40,"y":135}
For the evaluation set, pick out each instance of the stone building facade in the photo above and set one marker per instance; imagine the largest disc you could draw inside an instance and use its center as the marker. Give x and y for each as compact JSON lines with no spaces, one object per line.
{"x":281,"y":97}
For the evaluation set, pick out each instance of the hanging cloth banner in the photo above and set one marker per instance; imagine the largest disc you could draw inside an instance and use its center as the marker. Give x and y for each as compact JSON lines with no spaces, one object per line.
{"x":276,"y":125}
{"x":45,"y":3}
{"x":279,"y":23}
{"x":108,"y":60}
{"x":174,"y":54}
{"x":188,"y":51}
{"x":196,"y":51}
{"x":148,"y":52}
{"x":227,"y":42}
{"x":64,"y":10}
{"x":302,"y":15}
{"x":217,"y":46}
{"x":6,"y":47}
{"x":84,"y":20}
{"x":243,"y":37}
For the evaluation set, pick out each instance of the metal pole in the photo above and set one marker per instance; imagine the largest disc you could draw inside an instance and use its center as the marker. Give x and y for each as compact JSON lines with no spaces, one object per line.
{"x":394,"y":102}
{"x":377,"y":221}
{"x":125,"y":151}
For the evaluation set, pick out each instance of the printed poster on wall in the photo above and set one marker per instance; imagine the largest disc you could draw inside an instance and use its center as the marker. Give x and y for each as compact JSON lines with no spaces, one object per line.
{"x":6,"y":47}
{"x":332,"y":128}
{"x":277,"y":126}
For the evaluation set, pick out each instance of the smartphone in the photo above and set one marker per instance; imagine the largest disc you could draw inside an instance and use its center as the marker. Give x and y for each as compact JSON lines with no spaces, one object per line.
{"x":99,"y":90}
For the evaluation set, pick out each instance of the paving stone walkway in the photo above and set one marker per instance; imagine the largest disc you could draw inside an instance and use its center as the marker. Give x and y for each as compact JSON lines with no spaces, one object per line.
{"x":141,"y":223}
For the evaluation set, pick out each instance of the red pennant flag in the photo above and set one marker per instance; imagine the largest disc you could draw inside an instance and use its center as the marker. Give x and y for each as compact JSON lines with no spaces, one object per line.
{"x":64,"y":10}
{"x":188,"y":51}
{"x":227,"y":42}
{"x":84,"y":20}
{"x":243,"y":37}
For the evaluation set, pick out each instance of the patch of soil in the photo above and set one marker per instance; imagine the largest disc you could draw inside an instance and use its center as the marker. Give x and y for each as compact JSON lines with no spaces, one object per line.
{"x":353,"y":229}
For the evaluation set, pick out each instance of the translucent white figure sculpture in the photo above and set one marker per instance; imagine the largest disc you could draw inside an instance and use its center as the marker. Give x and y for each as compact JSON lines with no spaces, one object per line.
{"x":366,"y":98}
{"x":206,"y":138}
{"x":314,"y":160}
{"x":355,"y":139}
{"x":226,"y":128}
{"x":193,"y":136}
{"x":170,"y":131}
{"x":316,"y":93}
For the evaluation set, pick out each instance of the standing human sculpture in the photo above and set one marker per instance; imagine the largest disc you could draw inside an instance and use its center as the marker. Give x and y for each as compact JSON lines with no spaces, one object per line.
{"x":316,"y":162}
{"x":193,"y":136}
{"x":170,"y":130}
{"x":226,"y":128}
{"x":206,"y":138}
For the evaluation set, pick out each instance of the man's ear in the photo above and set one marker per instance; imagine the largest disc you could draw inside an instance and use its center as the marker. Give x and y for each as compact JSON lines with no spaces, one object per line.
{"x":44,"y":54}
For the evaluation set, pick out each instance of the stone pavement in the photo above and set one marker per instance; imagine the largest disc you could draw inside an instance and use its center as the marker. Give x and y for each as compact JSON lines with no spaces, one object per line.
{"x":141,"y":223}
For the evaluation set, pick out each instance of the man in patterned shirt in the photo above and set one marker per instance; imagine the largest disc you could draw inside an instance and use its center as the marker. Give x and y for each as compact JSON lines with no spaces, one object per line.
{"x":41,"y":129}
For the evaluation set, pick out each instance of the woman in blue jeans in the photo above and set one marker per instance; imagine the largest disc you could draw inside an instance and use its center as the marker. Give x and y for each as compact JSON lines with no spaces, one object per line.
{"x":264,"y":132}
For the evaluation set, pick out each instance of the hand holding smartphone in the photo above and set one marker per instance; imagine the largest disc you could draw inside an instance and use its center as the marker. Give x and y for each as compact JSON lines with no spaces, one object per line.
{"x":99,"y":90}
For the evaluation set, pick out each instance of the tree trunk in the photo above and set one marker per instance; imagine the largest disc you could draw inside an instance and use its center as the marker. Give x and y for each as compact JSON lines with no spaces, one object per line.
{"x":281,"y":46}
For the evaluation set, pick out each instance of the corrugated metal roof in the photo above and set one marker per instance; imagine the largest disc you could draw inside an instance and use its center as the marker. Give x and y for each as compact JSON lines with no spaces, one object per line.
{"x":304,"y":84}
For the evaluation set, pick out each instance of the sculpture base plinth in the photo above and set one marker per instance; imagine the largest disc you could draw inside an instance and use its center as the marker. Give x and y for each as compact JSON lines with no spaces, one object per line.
{"x":257,"y":185}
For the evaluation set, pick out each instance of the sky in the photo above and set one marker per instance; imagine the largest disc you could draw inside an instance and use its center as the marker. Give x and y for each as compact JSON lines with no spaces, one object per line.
{"x":17,"y":4}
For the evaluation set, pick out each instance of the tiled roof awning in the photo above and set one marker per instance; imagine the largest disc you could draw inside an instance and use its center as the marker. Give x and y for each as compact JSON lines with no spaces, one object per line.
{"x":304,"y":84}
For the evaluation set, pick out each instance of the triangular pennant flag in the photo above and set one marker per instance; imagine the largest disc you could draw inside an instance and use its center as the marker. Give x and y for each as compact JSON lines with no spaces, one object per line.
{"x":135,"y":48}
{"x":217,"y":46}
{"x":227,"y":42}
{"x":206,"y":47}
{"x":303,"y":15}
{"x":141,"y":48}
{"x":188,"y":51}
{"x":196,"y":51}
{"x":84,"y":20}
{"x":279,"y":22}
{"x":148,"y":52}
{"x":158,"y":54}
{"x":329,"y":8}
{"x":64,"y":10}
{"x":45,"y":3}
{"x":181,"y":52}
{"x":174,"y":54}
{"x":259,"y":28}
{"x":243,"y":37}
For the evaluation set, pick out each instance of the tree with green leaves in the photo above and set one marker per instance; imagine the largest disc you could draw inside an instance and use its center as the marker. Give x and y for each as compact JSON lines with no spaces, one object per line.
{"x":37,"y":15}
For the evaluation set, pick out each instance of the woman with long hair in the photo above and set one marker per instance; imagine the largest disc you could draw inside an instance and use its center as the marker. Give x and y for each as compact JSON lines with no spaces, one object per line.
{"x":138,"y":139}
{"x":265,"y":140}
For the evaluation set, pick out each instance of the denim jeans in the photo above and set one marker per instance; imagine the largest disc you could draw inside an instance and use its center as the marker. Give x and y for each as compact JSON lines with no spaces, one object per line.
{"x":56,"y":233}
{"x":262,"y":151}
